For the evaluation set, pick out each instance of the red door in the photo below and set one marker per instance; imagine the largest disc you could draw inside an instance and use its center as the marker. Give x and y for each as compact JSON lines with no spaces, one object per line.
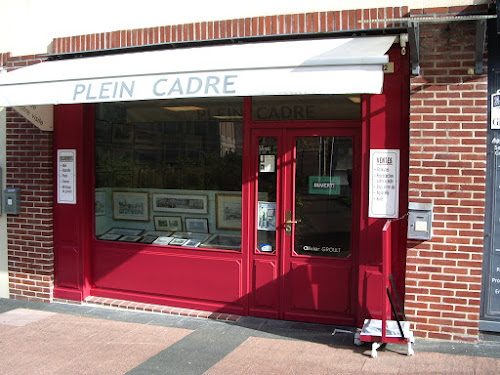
{"x":305,"y":238}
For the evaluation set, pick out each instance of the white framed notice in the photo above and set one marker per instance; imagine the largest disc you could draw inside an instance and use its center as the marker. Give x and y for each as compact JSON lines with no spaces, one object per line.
{"x":66,"y":176}
{"x":495,"y":111}
{"x":384,"y":184}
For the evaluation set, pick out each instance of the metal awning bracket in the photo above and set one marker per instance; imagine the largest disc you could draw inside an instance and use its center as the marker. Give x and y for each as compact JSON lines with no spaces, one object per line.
{"x":413,"y":26}
{"x":480,"y":42}
{"x":414,"y":42}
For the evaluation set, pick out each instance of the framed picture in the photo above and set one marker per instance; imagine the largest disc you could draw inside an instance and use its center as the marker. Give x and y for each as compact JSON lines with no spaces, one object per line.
{"x":109,"y":237}
{"x":196,"y":225}
{"x":163,"y":240}
{"x":223,"y":241}
{"x":124,"y":231}
{"x":191,"y":236}
{"x":168,"y":223}
{"x":148,"y":238}
{"x":129,"y":238}
{"x":178,"y":241}
{"x":228,"y":215}
{"x":100,"y":203}
{"x":192,"y":243}
{"x":130,"y":206}
{"x":187,"y":203}
{"x":156,"y":233}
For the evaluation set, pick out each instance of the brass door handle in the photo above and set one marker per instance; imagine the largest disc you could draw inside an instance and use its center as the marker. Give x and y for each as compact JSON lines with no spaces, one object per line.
{"x":288,"y":218}
{"x":289,"y":222}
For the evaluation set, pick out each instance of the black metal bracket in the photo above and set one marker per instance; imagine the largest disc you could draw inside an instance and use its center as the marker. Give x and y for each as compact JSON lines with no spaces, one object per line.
{"x":414,"y":42}
{"x":413,"y":27}
{"x":480,"y":42}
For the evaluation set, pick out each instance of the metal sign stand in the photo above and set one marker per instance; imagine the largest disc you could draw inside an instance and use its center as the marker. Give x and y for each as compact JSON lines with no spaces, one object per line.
{"x":386,"y":330}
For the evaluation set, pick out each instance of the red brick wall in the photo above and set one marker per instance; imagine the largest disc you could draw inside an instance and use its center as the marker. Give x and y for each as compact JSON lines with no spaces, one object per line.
{"x":448,"y":110}
{"x":256,"y":26}
{"x":30,"y":234}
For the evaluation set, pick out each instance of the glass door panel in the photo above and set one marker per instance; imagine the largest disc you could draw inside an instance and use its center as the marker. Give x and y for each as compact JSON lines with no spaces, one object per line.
{"x":323,"y":196}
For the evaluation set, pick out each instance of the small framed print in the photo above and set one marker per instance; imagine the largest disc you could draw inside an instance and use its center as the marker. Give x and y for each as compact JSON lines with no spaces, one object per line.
{"x":196,"y":225}
{"x":130,"y":206}
{"x":184,"y":203}
{"x":192,"y":243}
{"x":100,"y":203}
{"x":109,"y":237}
{"x":223,"y":241}
{"x":191,"y":236}
{"x":148,"y":238}
{"x":228,"y":211}
{"x":163,"y":240}
{"x":168,"y":223}
{"x":125,"y":231}
{"x":178,"y":241}
{"x":129,"y":238}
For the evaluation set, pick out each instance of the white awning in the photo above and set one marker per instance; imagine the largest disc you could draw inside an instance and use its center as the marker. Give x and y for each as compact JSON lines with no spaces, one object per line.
{"x":317,"y":66}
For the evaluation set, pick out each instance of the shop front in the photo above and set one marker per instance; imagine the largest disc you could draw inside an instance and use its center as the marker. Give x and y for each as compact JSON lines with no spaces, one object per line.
{"x":240,"y":184}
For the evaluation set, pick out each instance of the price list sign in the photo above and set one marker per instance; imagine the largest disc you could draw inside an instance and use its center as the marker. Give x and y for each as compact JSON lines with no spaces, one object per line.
{"x":384,"y":184}
{"x":66,"y":176}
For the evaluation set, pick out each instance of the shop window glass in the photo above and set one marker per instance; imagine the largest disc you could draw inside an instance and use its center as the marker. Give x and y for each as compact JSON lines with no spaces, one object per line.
{"x":266,"y":206}
{"x":306,"y":107}
{"x":170,"y":173}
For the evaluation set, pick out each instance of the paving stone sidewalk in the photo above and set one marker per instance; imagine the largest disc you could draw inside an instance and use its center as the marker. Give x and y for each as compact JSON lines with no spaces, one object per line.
{"x":57,"y":338}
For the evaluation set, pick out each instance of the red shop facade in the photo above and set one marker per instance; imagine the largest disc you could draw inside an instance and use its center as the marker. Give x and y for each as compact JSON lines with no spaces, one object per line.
{"x":246,"y":171}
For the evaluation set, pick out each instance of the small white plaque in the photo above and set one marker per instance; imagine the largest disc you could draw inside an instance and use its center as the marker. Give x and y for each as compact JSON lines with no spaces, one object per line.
{"x":66,"y":176}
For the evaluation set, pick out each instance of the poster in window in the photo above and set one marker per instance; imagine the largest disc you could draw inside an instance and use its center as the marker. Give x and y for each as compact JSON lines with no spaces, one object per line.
{"x":266,"y":216}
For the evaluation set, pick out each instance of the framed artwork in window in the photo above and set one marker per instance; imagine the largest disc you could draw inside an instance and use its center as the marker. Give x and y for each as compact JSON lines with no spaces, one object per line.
{"x":185,"y":203}
{"x":228,"y":215}
{"x":130,"y":206}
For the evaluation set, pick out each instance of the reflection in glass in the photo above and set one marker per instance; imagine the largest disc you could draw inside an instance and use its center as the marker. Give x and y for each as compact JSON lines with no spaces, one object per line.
{"x":323,"y":196}
{"x":266,"y":205}
{"x":306,"y":107}
{"x":176,"y":161}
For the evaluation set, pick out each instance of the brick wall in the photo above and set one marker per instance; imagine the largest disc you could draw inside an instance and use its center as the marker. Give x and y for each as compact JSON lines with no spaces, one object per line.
{"x":448,"y":110}
{"x":30,"y":234}
{"x":256,"y":26}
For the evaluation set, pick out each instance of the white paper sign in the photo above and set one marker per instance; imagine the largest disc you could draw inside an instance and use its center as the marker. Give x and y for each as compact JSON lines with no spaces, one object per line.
{"x":66,"y":176}
{"x":384,"y":184}
{"x":495,"y":111}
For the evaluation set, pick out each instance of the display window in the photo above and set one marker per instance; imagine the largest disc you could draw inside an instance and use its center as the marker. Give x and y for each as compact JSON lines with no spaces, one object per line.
{"x":169,"y":173}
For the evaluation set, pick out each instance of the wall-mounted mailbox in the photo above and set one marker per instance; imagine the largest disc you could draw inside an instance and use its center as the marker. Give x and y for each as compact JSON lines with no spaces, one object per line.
{"x":419,"y":221}
{"x":12,"y":201}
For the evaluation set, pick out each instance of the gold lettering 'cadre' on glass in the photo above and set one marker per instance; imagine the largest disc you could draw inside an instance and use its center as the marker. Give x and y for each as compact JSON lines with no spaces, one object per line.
{"x":306,"y":107}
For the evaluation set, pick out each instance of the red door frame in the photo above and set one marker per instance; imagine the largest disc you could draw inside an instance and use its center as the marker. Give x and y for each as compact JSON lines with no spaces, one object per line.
{"x":279,"y":266}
